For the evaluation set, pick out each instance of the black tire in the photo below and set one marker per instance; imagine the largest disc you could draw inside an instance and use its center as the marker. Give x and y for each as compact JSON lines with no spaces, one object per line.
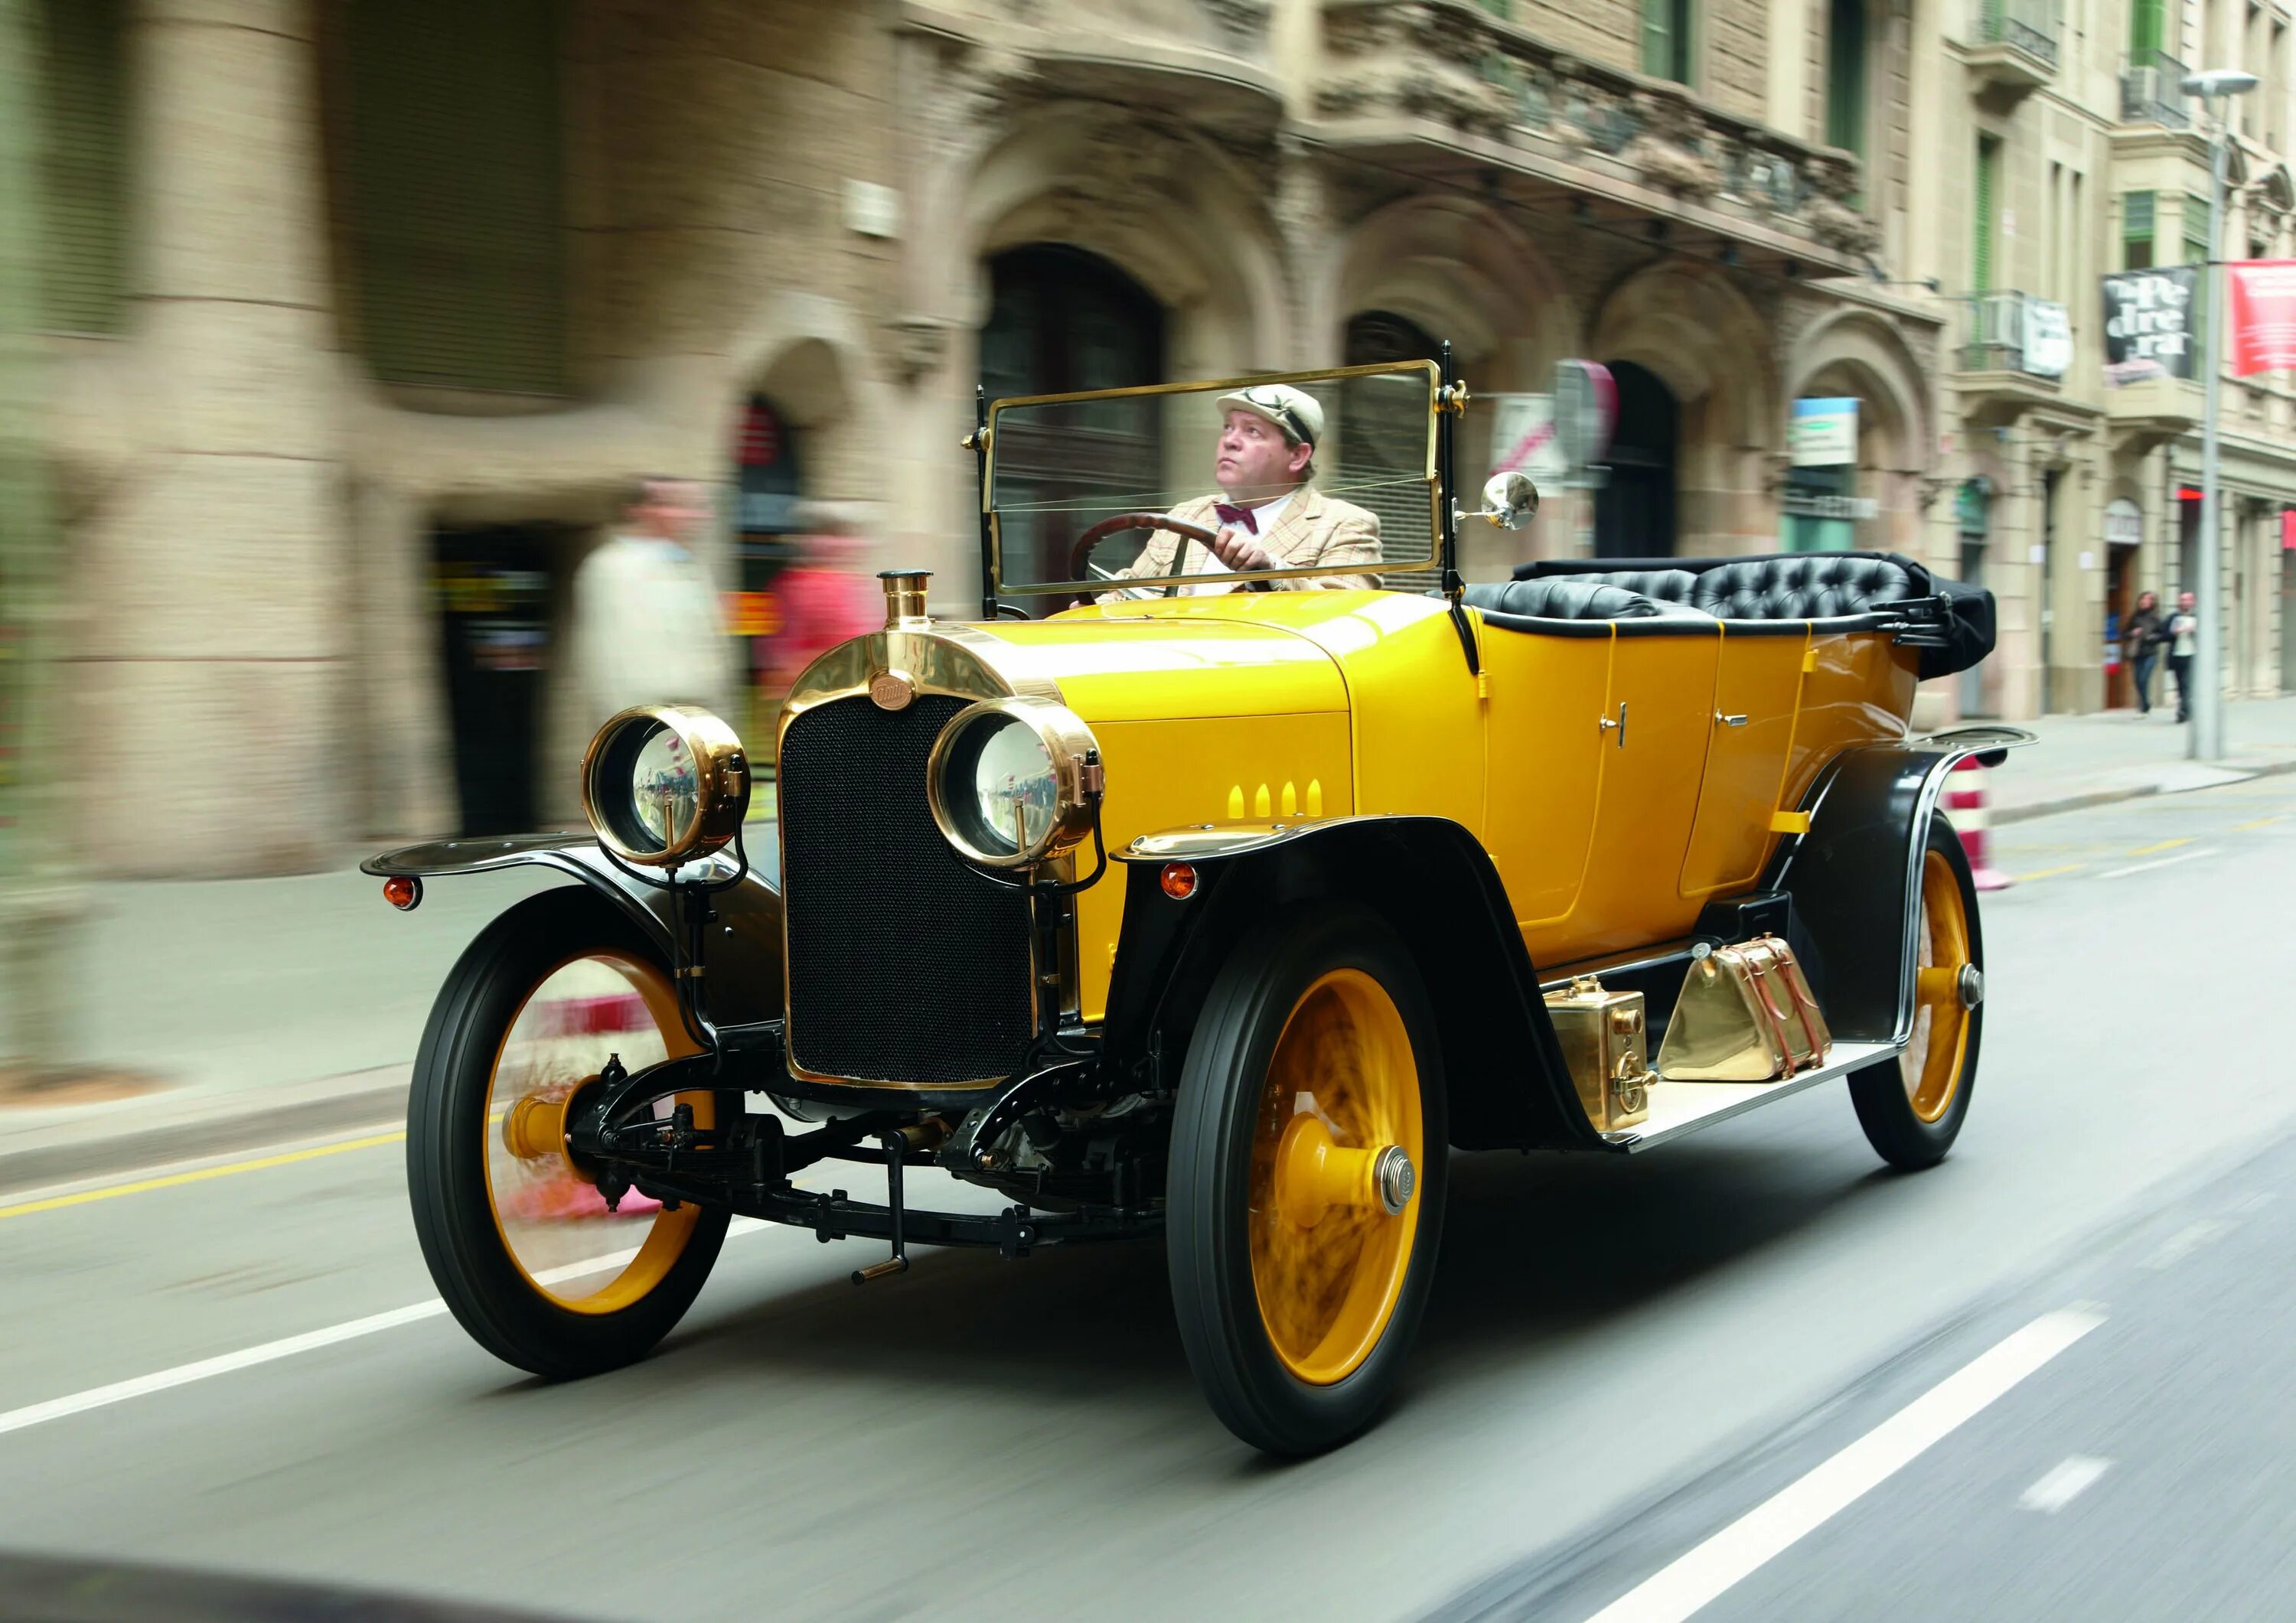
{"x":1209,"y":1239}
{"x":1885,"y":1103}
{"x":447,"y":1128}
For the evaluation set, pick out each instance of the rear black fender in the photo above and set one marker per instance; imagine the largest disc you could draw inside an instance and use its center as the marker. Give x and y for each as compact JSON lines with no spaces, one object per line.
{"x":744,"y":950}
{"x":1856,"y":875}
{"x":1430,"y":879}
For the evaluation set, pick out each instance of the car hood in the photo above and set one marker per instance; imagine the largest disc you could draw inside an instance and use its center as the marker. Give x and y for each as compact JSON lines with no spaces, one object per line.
{"x":1163,"y":666}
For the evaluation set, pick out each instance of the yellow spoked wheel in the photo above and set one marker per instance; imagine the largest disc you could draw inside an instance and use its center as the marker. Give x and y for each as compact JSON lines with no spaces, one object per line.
{"x":553,"y":1222}
{"x":1335,"y":1155}
{"x":520,"y":1241}
{"x":1932,"y":1063}
{"x":1305,"y":1198}
{"x":1912,"y":1107}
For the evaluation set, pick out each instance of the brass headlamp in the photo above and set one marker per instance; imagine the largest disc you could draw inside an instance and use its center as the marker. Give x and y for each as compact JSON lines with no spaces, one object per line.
{"x":665,"y":785}
{"x":1014,"y":782}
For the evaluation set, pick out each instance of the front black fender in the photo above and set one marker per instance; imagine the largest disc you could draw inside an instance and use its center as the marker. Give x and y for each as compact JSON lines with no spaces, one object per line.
{"x":744,"y":938}
{"x":1856,"y":875}
{"x":1430,"y":880}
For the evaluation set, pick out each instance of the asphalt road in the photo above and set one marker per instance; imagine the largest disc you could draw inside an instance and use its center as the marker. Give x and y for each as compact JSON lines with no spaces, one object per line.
{"x":1625,"y":1357}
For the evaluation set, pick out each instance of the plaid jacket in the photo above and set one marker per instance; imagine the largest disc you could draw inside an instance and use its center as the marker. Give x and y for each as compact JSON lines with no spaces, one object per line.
{"x":1314,"y":529}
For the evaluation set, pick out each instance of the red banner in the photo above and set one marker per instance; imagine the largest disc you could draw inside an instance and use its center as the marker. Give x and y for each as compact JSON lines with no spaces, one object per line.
{"x":2263,"y":315}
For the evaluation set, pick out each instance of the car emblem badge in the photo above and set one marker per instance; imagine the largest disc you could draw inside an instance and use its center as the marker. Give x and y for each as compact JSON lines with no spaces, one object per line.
{"x":892,"y":690}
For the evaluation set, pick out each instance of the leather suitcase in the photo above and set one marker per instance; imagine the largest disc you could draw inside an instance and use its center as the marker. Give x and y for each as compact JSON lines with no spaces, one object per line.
{"x":1745,"y":1014}
{"x":1604,"y":1041}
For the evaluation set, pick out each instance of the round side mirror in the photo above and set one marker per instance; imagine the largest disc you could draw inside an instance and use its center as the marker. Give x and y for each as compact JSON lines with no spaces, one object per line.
{"x":1509,"y":500}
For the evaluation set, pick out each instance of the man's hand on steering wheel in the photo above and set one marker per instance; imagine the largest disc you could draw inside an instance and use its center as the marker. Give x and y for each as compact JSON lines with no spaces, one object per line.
{"x":1236,"y":549}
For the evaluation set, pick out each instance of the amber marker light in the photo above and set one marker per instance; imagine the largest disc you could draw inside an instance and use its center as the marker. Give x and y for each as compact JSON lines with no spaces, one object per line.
{"x":1179,"y":880}
{"x":403,"y":891}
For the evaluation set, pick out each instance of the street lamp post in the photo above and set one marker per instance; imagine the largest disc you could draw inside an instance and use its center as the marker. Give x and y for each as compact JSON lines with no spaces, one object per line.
{"x":2206,"y":741}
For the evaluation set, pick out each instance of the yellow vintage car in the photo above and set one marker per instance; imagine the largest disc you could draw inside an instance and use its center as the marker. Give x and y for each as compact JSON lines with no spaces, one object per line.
{"x":1203,"y":887}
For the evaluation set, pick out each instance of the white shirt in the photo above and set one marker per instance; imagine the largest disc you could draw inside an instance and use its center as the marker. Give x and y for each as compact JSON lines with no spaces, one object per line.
{"x":647,"y":629}
{"x":1268,"y":515}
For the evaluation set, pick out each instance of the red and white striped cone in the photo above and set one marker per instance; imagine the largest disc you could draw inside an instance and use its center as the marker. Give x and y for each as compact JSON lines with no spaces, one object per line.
{"x":1965,"y":800}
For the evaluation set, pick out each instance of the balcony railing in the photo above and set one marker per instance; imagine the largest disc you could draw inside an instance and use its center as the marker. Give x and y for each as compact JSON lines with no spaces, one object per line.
{"x":1462,"y":64}
{"x":2152,"y":90}
{"x":2031,"y":26}
{"x":2015,"y":333}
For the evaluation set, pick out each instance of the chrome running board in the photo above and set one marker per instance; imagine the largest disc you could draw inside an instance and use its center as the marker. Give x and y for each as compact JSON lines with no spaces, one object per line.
{"x":1677,"y":1108}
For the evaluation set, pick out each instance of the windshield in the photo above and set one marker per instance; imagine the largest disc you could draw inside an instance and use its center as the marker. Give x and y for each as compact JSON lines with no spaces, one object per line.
{"x":1329,"y":474}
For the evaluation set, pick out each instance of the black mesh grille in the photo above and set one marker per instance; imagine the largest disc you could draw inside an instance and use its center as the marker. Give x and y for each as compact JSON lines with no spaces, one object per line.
{"x":904,"y":964}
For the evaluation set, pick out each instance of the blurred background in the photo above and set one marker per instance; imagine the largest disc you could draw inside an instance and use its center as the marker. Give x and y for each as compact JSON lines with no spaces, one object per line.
{"x":338,"y":338}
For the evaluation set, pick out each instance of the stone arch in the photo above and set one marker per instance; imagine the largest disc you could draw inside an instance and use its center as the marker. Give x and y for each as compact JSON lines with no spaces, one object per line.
{"x":1691,"y":327}
{"x":810,"y":356}
{"x":1859,"y":353}
{"x":1461,"y":270}
{"x":1173,"y":211}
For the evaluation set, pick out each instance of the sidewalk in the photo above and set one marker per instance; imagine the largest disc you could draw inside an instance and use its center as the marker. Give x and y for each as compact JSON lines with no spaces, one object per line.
{"x":2088,"y":760}
{"x":263,"y":1010}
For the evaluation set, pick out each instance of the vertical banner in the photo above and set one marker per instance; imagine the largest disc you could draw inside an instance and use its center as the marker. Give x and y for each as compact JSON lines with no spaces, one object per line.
{"x":2148,"y":323}
{"x":2263,"y":315}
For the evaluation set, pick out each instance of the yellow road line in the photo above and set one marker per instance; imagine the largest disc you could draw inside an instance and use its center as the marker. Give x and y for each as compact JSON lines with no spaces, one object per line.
{"x":56,"y":1202}
{"x":2259,"y":823}
{"x":2070,"y":867}
{"x":2165,"y":845}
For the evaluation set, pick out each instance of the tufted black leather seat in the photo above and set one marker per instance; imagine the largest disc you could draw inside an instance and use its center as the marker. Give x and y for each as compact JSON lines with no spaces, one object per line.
{"x":1561,"y":598}
{"x":1787,"y":586}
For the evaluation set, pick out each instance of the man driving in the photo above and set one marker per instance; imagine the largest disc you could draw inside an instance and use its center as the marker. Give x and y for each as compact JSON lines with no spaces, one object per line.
{"x":1268,"y":514}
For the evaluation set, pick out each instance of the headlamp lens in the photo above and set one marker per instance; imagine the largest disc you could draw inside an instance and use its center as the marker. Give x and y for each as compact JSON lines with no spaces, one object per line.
{"x":1014,"y":787}
{"x":665,"y":788}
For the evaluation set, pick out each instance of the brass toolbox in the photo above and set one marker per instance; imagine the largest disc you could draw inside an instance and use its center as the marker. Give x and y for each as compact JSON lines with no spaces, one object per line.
{"x":1604,"y":1041}
{"x":1746,"y":1014}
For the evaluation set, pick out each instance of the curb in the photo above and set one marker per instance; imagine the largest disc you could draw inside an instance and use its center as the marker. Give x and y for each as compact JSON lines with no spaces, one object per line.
{"x":2108,"y":797}
{"x":110,"y":1154}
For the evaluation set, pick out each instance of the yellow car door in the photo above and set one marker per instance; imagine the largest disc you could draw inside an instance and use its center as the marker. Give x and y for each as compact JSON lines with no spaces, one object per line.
{"x":1757,"y":695}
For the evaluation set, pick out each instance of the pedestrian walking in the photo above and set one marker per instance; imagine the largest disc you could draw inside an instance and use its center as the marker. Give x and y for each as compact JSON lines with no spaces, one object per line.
{"x":2140,"y":646}
{"x":2184,"y":634}
{"x":648,"y":628}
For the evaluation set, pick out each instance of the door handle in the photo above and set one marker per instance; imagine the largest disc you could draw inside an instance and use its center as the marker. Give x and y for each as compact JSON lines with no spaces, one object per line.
{"x":1728,"y":721}
{"x":1607,"y":725}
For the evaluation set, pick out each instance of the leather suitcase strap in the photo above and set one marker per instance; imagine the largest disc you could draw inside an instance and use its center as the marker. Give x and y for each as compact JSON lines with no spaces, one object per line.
{"x":1766,"y":1012}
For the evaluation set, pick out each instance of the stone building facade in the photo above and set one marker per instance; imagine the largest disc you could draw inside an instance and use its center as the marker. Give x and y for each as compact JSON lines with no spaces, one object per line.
{"x":2062,"y":150}
{"x":365,"y":312}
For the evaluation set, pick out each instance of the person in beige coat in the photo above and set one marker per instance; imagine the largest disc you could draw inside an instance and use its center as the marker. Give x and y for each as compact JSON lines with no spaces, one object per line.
{"x":1269,"y":514}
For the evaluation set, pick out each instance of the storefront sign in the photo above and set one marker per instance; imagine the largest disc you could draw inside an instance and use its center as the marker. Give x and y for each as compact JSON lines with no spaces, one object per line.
{"x":1823,"y":433}
{"x":2124,"y":522}
{"x":2148,"y":324}
{"x":2263,"y":315}
{"x":2048,"y":338}
{"x":1817,"y":504}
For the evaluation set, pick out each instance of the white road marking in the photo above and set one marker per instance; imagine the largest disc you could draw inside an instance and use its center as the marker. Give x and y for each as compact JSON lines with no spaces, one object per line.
{"x":288,"y":1347}
{"x":2064,"y":1482}
{"x":1700,"y":1575}
{"x":2146,"y":867}
{"x":2185,"y":1242}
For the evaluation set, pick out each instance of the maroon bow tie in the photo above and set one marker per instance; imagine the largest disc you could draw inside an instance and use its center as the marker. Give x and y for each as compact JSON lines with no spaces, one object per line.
{"x":1241,"y":516}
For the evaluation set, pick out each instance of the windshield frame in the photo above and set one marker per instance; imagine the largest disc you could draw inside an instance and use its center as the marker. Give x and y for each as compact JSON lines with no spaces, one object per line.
{"x":992,"y":529}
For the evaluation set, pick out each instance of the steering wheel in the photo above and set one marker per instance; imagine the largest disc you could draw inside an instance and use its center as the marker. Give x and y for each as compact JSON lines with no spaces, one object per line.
{"x":1081,"y":555}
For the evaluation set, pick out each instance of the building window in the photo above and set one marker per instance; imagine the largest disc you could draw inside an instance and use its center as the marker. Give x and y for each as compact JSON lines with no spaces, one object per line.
{"x":2146,"y":30}
{"x":83,"y":80}
{"x":1379,"y":466}
{"x":2136,"y":230}
{"x":1845,"y":76}
{"x":452,"y":176}
{"x":1060,"y":321}
{"x":1666,"y":40}
{"x":1988,"y":165}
